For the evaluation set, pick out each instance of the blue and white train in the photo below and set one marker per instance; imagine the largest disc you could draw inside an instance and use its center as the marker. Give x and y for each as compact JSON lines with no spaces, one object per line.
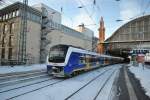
{"x":66,"y":60}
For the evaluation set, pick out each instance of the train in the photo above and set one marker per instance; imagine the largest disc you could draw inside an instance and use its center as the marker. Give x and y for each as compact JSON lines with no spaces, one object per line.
{"x":66,"y":60}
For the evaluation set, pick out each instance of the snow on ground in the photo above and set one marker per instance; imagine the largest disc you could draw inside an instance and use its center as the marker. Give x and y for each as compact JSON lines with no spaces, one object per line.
{"x":107,"y":92}
{"x":89,"y":92}
{"x":61,"y":90}
{"x":23,"y":68}
{"x":143,"y":75}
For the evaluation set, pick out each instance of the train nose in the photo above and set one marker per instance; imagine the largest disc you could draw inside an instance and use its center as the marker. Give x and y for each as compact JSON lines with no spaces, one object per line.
{"x":56,"y":69}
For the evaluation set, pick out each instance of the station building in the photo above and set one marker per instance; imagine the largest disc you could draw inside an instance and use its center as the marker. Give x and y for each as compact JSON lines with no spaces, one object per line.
{"x":10,"y":29}
{"x":44,"y":29}
{"x":134,"y":35}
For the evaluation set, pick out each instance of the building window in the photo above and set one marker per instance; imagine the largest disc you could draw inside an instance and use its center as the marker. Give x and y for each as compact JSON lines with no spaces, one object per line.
{"x":3,"y":17}
{"x":0,"y":18}
{"x":10,"y":53}
{"x":1,"y":29}
{"x":10,"y":42}
{"x":6,"y":16}
{"x":17,"y":12}
{"x":12,"y":27}
{"x":13,"y":14}
{"x":39,"y":19}
{"x":11,"y":39}
{"x":0,"y":38}
{"x":10,"y":15}
{"x":5,"y":28}
{"x":28,"y":15}
{"x":3,"y":53}
{"x":33,"y":17}
{"x":4,"y":41}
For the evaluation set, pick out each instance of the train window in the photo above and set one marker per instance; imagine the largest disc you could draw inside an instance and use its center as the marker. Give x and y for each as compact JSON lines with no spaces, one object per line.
{"x":82,"y":59}
{"x":87,"y":58}
{"x":94,"y":59}
{"x":57,"y":54}
{"x":91,"y":59}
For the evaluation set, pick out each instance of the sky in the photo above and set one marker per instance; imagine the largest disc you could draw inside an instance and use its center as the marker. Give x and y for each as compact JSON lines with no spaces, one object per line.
{"x":76,"y":12}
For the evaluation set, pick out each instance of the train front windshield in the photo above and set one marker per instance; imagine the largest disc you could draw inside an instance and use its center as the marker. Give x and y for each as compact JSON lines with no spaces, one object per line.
{"x":58,"y":53}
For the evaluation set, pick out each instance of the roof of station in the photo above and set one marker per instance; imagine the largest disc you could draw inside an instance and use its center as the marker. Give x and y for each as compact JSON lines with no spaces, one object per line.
{"x":127,"y":24}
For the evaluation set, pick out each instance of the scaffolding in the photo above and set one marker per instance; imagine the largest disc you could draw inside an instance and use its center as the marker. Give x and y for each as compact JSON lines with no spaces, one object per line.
{"x":23,"y":33}
{"x":44,"y":40}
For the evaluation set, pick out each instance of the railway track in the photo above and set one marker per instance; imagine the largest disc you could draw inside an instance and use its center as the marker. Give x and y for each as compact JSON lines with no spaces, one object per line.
{"x":34,"y":90}
{"x":8,"y":94}
{"x":104,"y":84}
{"x":21,"y":78}
{"x":13,"y":93}
{"x":21,"y":86}
{"x":67,"y":98}
{"x":12,"y":76}
{"x":78,"y":91}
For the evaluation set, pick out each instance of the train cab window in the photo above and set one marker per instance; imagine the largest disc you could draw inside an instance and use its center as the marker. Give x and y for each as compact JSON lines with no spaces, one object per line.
{"x":57,"y":54}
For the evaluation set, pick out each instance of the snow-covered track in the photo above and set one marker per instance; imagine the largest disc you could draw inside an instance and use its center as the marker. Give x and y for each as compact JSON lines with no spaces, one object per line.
{"x":26,"y":85}
{"x":99,"y":75}
{"x":73,"y":88}
{"x":22,"y":77}
{"x":19,"y":73}
{"x":8,"y":94}
{"x":10,"y":76}
{"x":21,"y":80}
{"x":104,"y":84}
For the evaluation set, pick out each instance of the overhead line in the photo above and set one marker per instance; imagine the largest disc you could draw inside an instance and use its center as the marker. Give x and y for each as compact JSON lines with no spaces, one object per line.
{"x":87,"y":11}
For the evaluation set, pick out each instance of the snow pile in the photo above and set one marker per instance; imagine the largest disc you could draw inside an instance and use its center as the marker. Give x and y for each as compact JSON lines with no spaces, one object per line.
{"x":143,"y":75}
{"x":23,"y":68}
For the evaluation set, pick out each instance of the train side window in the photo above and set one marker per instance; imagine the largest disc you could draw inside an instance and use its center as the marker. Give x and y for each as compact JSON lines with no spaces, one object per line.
{"x":87,"y":58}
{"x":82,"y":59}
{"x":92,"y":59}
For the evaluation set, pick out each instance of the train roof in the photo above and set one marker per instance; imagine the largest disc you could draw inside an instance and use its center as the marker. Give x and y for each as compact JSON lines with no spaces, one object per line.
{"x":93,"y":53}
{"x":81,"y":50}
{"x":65,"y":45}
